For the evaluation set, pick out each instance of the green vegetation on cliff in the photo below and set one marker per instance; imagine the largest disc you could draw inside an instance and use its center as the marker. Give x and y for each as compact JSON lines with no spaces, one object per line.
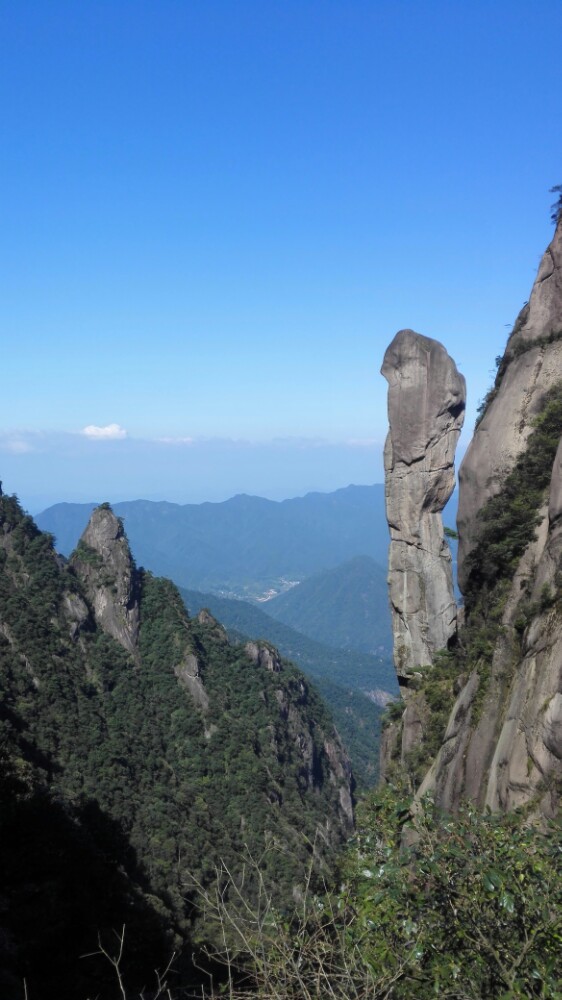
{"x":121,"y":790}
{"x":508,"y":523}
{"x":509,"y":519}
{"x":343,"y":677}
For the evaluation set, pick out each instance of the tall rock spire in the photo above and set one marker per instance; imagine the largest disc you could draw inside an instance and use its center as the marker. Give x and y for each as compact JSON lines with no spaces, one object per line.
{"x":426,"y":403}
{"x":103,"y":562}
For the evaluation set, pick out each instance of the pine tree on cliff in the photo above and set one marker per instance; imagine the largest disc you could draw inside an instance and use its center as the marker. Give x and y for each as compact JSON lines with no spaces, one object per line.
{"x":556,"y":208}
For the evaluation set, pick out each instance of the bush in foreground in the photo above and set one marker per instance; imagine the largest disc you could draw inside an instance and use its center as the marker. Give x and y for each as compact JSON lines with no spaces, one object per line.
{"x":471,"y":910}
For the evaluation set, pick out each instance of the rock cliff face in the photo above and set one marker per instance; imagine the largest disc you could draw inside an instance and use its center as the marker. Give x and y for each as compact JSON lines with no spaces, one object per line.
{"x":502,"y":742}
{"x":103,"y":563}
{"x":426,"y":401}
{"x":532,"y":363}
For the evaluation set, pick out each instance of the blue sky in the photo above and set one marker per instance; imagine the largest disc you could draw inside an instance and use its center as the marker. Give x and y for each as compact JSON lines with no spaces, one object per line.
{"x":216,"y":215}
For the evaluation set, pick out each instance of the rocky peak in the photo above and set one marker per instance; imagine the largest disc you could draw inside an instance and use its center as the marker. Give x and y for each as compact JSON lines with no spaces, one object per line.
{"x":531,"y":365}
{"x":542,"y":313}
{"x":264,"y":655}
{"x":426,"y":403}
{"x":104,"y":564}
{"x":218,"y":631}
{"x":502,"y":744}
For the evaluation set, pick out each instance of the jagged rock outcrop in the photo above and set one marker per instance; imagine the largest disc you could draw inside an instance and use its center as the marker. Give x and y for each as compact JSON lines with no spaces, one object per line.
{"x":532,"y":363}
{"x":341,"y":777}
{"x":105,"y":566}
{"x":426,"y":403}
{"x":503,"y":743}
{"x":76,"y":612}
{"x":264,"y":655}
{"x":292,"y":709}
{"x":188,"y":673}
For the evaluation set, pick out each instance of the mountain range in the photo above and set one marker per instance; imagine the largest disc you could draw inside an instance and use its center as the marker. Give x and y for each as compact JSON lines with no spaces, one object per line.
{"x":245,"y":546}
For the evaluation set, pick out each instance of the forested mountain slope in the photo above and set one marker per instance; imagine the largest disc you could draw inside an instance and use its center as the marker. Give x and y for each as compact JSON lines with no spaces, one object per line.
{"x":346,"y":606}
{"x":360,"y":671}
{"x":138,"y":749}
{"x":355,"y":686}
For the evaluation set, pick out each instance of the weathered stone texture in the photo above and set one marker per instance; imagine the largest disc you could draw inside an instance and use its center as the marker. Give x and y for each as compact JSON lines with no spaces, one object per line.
{"x":510,"y":754}
{"x":426,"y":401}
{"x":504,"y":748}
{"x":531,"y":366}
{"x":107,"y":571}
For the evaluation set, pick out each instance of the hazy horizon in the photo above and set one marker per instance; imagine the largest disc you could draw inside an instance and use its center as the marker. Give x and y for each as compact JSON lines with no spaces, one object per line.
{"x":203,"y":472}
{"x":217,"y":216}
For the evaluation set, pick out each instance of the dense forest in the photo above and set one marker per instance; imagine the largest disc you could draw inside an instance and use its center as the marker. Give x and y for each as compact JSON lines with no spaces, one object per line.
{"x":347,"y":680}
{"x":129,"y":779}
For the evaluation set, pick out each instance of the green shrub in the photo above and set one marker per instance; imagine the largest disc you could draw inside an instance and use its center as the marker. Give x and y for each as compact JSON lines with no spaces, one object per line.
{"x":472,"y":910}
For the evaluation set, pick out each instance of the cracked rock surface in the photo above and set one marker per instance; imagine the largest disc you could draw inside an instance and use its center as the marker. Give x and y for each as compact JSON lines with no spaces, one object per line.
{"x":426,"y":404}
{"x":531,"y":365}
{"x":503,"y":745}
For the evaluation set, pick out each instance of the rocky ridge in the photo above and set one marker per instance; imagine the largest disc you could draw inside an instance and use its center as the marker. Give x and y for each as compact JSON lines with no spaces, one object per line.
{"x":498,"y":693}
{"x":112,"y":583}
{"x":531,"y":364}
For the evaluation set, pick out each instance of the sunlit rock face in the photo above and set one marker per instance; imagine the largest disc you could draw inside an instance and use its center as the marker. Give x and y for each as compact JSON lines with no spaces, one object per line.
{"x":503,"y":744}
{"x":532,"y":363}
{"x":426,"y":405}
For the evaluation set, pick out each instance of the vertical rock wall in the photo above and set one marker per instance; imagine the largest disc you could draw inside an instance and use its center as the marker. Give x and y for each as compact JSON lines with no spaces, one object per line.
{"x":426,"y":403}
{"x":532,"y":363}
{"x":503,"y":744}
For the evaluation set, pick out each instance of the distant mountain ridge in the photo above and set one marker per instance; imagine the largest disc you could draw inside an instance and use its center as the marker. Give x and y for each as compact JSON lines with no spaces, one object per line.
{"x":245,"y":545}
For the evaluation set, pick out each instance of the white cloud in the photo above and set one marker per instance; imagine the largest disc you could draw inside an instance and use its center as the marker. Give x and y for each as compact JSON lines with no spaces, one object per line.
{"x":175,"y":440}
{"x":17,"y":446}
{"x":111,"y":432}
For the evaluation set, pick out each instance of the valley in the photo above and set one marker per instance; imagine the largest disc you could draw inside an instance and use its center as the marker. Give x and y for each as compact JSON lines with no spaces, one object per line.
{"x":335,"y":624}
